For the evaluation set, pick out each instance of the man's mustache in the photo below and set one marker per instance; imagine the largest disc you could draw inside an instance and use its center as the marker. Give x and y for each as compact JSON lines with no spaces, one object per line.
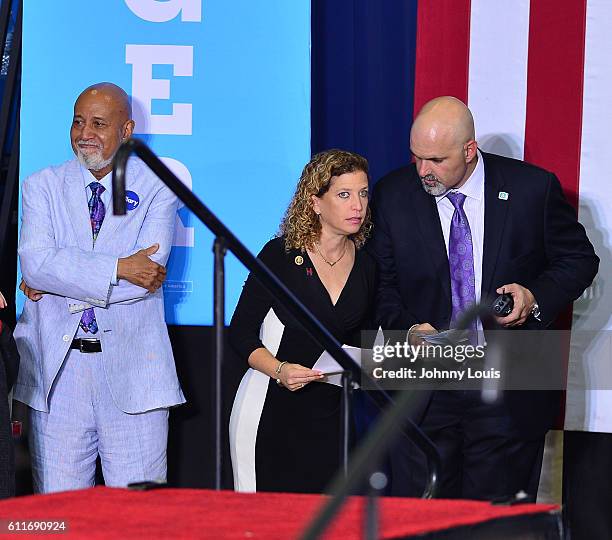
{"x":81,"y":142}
{"x":429,"y":178}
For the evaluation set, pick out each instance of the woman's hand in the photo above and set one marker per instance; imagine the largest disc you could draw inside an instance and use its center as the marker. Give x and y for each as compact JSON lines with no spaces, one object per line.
{"x":295,"y":377}
{"x":291,"y":376}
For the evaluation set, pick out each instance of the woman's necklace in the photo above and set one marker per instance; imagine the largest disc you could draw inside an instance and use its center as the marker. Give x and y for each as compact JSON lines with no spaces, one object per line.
{"x":332,"y":264}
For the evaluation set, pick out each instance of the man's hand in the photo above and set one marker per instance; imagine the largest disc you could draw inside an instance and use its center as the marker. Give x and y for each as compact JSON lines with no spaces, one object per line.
{"x":2,"y":301}
{"x":140,"y":270}
{"x":420,"y":330}
{"x":523,"y":304}
{"x":33,"y":294}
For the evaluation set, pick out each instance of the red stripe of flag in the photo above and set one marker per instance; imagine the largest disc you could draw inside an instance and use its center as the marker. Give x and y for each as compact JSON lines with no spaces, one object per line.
{"x":442,"y":50}
{"x":555,"y":73}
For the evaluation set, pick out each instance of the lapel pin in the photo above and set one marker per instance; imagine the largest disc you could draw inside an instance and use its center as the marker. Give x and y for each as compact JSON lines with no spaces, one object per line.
{"x":503,"y":195}
{"x":299,"y":260}
{"x":309,"y":271}
{"x":131,"y":200}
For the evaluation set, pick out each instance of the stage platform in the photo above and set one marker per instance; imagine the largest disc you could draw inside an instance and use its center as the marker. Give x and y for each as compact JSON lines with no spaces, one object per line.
{"x":188,"y":513}
{"x":103,"y":513}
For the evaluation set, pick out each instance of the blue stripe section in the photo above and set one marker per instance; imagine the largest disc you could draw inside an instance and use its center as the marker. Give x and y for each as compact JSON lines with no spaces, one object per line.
{"x":363,"y":59}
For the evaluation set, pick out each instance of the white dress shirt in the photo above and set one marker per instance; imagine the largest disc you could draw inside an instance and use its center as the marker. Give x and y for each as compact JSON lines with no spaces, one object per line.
{"x":106,"y":198}
{"x":473,"y":206}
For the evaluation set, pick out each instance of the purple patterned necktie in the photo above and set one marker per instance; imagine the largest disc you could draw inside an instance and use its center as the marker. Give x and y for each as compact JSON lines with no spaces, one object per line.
{"x":461,"y":261}
{"x":97,"y":211}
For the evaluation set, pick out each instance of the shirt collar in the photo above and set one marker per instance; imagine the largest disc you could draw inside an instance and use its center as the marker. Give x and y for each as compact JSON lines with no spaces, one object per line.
{"x":474,"y":186}
{"x":88,"y":178}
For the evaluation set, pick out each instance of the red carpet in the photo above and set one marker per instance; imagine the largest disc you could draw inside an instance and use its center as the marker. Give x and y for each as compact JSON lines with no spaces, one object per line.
{"x":188,"y":513}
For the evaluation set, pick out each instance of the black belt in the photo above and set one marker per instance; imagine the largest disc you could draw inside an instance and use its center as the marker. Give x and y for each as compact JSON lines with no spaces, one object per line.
{"x":86,"y":345}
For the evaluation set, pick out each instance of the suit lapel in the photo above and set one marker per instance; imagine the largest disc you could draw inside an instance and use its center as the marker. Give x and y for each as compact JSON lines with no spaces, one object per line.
{"x":75,"y":196}
{"x":495,"y":212}
{"x":430,"y":230}
{"x":109,"y":226}
{"x":111,"y":221}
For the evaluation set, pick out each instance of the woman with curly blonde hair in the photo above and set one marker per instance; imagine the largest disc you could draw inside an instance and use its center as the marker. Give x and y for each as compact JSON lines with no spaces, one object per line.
{"x":285,"y":424}
{"x":301,"y":225}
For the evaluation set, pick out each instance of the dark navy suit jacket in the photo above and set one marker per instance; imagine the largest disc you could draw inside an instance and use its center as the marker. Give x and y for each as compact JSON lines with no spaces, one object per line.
{"x":532,"y":237}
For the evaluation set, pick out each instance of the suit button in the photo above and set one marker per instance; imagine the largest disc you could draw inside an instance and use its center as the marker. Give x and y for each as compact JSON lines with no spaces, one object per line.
{"x":66,"y":338}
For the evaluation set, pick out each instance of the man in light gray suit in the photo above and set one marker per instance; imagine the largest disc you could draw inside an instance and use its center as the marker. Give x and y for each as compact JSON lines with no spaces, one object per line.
{"x":97,"y":368}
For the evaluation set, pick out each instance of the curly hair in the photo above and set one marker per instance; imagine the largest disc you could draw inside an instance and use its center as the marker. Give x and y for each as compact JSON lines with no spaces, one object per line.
{"x":301,"y":226}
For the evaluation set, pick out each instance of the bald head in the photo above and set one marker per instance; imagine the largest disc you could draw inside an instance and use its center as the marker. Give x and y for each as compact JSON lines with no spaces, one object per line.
{"x":102,"y":121}
{"x":445,"y":116}
{"x":442,"y":142}
{"x":112,"y":94}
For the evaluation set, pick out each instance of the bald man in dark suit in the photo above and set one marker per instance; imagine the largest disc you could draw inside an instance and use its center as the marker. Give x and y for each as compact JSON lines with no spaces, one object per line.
{"x":524,"y":239}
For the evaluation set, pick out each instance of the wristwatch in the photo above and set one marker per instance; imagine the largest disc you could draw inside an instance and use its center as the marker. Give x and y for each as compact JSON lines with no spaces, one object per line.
{"x":535,"y":312}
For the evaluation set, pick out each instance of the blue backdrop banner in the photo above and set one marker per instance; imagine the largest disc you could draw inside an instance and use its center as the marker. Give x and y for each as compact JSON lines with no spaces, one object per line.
{"x":221,"y":91}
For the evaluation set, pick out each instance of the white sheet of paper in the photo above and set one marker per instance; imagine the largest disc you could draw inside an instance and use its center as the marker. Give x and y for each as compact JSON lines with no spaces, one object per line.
{"x":326,"y":363}
{"x":447,"y":337}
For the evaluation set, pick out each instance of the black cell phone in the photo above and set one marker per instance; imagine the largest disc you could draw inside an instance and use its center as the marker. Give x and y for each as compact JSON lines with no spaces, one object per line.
{"x":502,"y":306}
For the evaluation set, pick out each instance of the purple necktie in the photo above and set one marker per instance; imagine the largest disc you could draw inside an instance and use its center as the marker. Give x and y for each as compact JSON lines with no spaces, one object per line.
{"x":97,"y":211}
{"x":461,"y":261}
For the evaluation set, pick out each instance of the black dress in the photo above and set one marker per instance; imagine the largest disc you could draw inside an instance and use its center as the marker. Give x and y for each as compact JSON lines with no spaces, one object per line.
{"x":298,"y":439}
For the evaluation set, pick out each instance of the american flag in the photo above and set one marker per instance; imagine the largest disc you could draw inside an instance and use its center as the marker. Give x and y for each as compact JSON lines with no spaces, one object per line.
{"x":537,"y":76}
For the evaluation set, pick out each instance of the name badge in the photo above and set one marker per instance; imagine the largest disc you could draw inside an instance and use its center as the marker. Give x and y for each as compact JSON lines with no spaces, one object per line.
{"x":131,"y":200}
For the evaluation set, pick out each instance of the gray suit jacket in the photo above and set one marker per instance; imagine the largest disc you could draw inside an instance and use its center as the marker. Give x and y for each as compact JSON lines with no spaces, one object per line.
{"x":57,"y":255}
